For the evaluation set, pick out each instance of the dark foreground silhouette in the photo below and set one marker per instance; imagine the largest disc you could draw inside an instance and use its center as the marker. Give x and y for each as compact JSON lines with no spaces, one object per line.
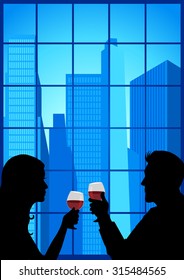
{"x":160,"y":234}
{"x":22,"y":185}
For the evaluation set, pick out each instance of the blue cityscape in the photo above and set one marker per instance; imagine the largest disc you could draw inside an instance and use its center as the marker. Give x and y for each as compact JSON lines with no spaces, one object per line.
{"x":106,"y":123}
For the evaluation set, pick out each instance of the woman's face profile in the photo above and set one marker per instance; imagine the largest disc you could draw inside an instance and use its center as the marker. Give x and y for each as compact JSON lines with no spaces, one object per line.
{"x":38,"y":185}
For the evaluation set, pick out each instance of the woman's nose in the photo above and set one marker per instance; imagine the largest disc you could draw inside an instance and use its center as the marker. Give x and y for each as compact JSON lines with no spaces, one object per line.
{"x":45,"y":186}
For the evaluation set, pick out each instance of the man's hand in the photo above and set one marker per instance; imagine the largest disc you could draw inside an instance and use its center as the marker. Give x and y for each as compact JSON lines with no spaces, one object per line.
{"x":71,"y":218}
{"x":99,"y":207}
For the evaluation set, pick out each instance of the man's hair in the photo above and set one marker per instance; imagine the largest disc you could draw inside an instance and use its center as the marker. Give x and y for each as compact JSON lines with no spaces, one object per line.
{"x":169,"y":166}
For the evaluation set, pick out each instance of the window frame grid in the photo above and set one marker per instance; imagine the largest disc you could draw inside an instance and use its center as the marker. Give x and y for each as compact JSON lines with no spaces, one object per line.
{"x":145,"y":43}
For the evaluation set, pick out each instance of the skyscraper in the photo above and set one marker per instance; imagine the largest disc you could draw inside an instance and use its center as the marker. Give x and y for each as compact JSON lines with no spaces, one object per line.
{"x":156,"y":111}
{"x":87,"y":112}
{"x":22,"y":104}
{"x":60,"y":177}
{"x":20,"y":98}
{"x":84,"y":113}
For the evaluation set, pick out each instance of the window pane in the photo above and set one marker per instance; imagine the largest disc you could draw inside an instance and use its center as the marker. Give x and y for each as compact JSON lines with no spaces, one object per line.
{"x":119,"y":150}
{"x":87,"y":59}
{"x":127,"y":23}
{"x":119,"y":103}
{"x":120,"y":192}
{"x":137,"y":149}
{"x":163,"y":23}
{"x":60,"y":150}
{"x":127,"y":63}
{"x":53,"y":103}
{"x":90,"y":103}
{"x":163,"y":107}
{"x":90,"y":106}
{"x":54,"y":62}
{"x":54,"y":23}
{"x":19,"y":141}
{"x":164,"y":139}
{"x":127,"y":149}
{"x":90,"y":149}
{"x":19,"y":64}
{"x":157,"y":54}
{"x":19,"y":22}
{"x":19,"y":106}
{"x":137,"y":104}
{"x":90,"y":23}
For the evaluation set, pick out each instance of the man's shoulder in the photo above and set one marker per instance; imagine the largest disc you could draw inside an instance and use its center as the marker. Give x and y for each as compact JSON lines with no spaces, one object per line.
{"x":180,"y":206}
{"x":151,"y":214}
{"x":182,"y":199}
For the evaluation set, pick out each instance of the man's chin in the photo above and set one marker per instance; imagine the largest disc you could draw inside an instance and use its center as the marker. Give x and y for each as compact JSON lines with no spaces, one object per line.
{"x":148,"y":199}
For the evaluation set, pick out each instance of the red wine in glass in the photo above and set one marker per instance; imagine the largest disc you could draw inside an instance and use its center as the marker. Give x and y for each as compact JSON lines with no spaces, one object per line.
{"x":77,"y":204}
{"x":75,"y":200}
{"x":95,"y":189}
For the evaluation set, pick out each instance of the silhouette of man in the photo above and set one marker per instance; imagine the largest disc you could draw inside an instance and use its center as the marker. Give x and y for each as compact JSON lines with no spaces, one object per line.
{"x":22,"y":185}
{"x":160,"y":233}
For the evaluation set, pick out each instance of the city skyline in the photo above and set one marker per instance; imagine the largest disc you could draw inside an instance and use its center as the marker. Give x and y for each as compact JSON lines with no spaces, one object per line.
{"x":81,"y":118}
{"x":91,"y":107}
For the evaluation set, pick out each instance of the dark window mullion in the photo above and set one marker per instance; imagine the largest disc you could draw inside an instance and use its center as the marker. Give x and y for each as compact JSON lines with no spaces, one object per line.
{"x":109,"y":111}
{"x":73,"y":166}
{"x":182,"y":85}
{"x":145,"y":69}
{"x":1,"y":91}
{"x":36,"y":108}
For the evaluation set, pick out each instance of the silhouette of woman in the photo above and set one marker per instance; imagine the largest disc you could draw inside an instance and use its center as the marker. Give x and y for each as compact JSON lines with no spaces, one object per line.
{"x":22,"y":185}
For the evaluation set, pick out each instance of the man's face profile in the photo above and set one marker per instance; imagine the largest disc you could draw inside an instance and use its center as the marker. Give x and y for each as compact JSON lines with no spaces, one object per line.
{"x":152,"y":183}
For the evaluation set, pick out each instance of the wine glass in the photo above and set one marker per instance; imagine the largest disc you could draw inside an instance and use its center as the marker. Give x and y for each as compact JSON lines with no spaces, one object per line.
{"x":75,"y":200}
{"x":95,"y":189}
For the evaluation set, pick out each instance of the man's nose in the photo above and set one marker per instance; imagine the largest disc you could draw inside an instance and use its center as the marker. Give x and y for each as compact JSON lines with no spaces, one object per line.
{"x":143,"y":182}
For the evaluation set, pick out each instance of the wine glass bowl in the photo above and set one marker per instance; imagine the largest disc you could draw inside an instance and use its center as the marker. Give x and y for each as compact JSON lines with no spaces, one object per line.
{"x":95,"y":189}
{"x":75,"y":200}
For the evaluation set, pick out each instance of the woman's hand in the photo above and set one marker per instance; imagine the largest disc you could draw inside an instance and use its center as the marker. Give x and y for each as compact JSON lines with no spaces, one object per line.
{"x":71,"y":218}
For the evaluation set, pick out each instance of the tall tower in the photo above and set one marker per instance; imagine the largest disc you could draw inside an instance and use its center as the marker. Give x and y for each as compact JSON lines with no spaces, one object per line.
{"x":20,"y":99}
{"x":60,"y":176}
{"x":22,"y":103}
{"x":157,"y":111}
{"x":88,"y":146}
{"x":115,"y":111}
{"x":87,"y":112}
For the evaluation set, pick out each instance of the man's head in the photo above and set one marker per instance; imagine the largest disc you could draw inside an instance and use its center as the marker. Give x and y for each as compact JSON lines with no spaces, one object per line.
{"x":163,"y":175}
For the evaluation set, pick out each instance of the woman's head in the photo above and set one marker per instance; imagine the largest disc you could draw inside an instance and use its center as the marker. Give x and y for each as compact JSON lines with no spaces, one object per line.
{"x":23,"y":176}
